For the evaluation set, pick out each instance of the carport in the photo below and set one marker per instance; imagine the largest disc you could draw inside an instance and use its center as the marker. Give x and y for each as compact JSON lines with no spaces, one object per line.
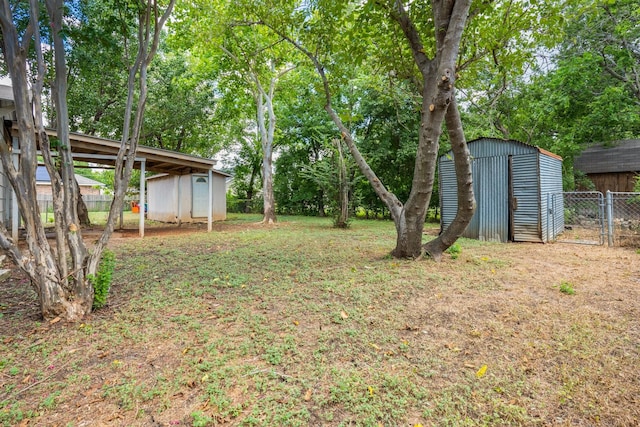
{"x":104,"y":152}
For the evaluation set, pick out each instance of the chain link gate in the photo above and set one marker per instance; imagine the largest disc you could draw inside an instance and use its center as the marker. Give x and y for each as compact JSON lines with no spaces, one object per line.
{"x":623,"y":219}
{"x":584,"y":217}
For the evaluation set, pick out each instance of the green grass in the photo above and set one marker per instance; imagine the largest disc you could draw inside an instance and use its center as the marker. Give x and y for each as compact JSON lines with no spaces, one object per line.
{"x":302,"y":324}
{"x":567,"y":288}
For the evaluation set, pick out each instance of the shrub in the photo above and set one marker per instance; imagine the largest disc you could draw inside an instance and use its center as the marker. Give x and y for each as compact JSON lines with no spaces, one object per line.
{"x":102,"y":280}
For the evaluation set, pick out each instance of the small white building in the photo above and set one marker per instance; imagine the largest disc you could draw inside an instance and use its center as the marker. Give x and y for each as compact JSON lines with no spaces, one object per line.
{"x":184,"y":180}
{"x":184,"y":198}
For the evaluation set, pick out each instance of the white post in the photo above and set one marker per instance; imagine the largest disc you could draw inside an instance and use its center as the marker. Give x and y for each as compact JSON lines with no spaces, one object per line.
{"x":142,"y":202}
{"x":15,"y":214}
{"x":210,"y":201}
{"x":179,"y":200}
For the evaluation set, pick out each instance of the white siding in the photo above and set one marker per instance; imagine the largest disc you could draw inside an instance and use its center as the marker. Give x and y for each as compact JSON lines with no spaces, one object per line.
{"x":161,"y":193}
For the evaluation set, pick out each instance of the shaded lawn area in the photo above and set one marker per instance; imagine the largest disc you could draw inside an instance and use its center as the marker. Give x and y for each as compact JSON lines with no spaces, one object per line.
{"x":303,"y":324}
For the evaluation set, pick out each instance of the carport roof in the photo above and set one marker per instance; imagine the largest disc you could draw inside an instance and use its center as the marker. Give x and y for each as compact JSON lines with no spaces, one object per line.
{"x":103,"y":151}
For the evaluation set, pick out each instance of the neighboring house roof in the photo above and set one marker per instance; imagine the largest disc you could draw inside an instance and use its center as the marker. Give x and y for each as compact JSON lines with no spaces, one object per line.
{"x":620,"y":156}
{"x":42,"y":177}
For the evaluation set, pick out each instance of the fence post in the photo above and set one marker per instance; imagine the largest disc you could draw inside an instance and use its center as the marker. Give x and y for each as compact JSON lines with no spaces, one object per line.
{"x":609,"y":210}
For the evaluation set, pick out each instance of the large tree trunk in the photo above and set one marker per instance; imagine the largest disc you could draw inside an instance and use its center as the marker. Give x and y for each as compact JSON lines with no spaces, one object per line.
{"x":269,"y":205}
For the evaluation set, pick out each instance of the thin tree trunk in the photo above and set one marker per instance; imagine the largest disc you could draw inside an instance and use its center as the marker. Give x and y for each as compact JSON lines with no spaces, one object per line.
{"x":343,"y":194}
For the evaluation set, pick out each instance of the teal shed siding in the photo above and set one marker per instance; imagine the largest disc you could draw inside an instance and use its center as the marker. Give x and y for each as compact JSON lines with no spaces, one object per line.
{"x":511,"y":181}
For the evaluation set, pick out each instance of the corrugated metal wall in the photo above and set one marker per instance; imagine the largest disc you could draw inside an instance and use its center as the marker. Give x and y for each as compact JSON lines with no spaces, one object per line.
{"x":551,"y":183}
{"x":532,"y":179}
{"x":492,"y":147}
{"x":448,"y":191}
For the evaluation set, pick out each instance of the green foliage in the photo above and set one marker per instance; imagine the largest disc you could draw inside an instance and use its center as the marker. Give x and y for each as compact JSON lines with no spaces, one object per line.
{"x":567,"y":288}
{"x":102,"y":280}
{"x":97,"y":70}
{"x":454,"y":250}
{"x":200,"y":419}
{"x":179,"y":113}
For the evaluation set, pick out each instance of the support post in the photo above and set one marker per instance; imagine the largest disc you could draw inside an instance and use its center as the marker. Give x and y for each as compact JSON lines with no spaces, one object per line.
{"x":609,"y":210}
{"x":142,"y":198}
{"x":210,"y":201}
{"x":178,"y":201}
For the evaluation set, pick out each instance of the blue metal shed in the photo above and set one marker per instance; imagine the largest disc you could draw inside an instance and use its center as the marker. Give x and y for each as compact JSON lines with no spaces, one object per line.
{"x":513,"y":183}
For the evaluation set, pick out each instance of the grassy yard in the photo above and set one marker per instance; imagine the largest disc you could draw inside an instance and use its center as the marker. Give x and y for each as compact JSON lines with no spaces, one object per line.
{"x":302,"y":324}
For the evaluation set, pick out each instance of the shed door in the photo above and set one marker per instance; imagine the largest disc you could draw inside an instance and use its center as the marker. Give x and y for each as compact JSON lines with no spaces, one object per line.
{"x":199,"y":196}
{"x":491,"y":188}
{"x":526,"y":215}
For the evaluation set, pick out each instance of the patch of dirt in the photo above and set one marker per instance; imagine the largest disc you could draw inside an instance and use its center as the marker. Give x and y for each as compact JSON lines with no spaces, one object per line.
{"x":523,"y":318}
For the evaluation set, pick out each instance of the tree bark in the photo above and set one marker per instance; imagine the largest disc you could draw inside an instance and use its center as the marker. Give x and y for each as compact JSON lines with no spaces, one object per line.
{"x":83,"y":212}
{"x":264,"y":104}
{"x":343,"y":194}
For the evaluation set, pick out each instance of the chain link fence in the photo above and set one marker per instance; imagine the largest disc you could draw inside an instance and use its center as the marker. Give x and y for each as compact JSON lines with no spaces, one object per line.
{"x":623,"y":219}
{"x":592,"y":218}
{"x":584,"y":217}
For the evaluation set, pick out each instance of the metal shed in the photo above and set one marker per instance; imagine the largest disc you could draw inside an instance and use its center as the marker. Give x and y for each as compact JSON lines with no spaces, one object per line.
{"x":184,"y":198}
{"x":513,"y":184}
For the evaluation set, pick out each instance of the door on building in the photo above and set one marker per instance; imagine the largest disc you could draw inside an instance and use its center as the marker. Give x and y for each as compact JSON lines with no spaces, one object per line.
{"x":490,"y":186}
{"x":199,"y":196}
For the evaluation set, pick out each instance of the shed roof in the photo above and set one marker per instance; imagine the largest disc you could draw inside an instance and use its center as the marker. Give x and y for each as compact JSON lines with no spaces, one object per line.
{"x":103,"y":151}
{"x":620,"y":156}
{"x":500,"y":147}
